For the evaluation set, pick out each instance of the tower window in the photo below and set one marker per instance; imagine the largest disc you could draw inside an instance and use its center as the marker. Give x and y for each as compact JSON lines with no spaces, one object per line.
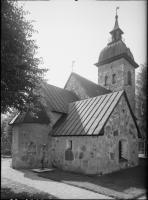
{"x":129,"y":78}
{"x":106,"y":80}
{"x":114,"y":78}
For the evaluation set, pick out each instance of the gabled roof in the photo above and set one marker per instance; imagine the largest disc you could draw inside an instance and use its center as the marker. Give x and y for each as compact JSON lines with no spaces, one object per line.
{"x":24,"y":117}
{"x":92,"y":89}
{"x":87,"y":117}
{"x":58,"y":98}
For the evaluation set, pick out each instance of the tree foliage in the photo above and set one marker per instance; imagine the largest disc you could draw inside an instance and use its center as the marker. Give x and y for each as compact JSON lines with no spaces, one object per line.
{"x":21,"y":74}
{"x":141,"y":98}
{"x":6,"y":129}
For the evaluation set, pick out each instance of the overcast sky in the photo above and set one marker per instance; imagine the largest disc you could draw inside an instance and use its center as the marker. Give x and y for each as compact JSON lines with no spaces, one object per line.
{"x":79,"y":30}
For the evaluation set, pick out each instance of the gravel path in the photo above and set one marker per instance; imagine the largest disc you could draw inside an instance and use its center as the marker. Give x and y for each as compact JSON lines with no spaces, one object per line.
{"x":59,"y":190}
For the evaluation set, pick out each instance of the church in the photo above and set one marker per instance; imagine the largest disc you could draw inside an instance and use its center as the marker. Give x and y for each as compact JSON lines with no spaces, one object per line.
{"x":85,"y":127}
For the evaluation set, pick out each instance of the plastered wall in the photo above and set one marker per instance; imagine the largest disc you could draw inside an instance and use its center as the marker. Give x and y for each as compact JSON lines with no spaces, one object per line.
{"x":55,"y":117}
{"x":27,"y":146}
{"x":100,"y":154}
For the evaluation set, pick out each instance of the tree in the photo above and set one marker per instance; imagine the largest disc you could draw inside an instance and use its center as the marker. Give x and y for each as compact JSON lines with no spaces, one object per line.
{"x":141,"y":98}
{"x":3,"y":124}
{"x":6,"y":129}
{"x":21,"y":74}
{"x":141,"y":105}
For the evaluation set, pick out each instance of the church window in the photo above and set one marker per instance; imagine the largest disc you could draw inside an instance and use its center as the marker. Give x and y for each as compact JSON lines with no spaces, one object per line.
{"x":106,"y":80}
{"x":120,"y":149}
{"x":114,"y":78}
{"x":129,"y":79}
{"x":123,"y":150}
{"x":69,"y":144}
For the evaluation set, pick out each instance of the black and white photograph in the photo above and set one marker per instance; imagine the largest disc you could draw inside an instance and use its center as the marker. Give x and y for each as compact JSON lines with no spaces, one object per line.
{"x":73,"y":99}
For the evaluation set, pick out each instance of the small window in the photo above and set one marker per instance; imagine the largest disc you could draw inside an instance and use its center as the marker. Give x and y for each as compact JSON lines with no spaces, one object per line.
{"x":123,"y":150}
{"x":106,"y":80}
{"x":129,"y":78}
{"x":120,"y":149}
{"x":114,"y":78}
{"x":69,"y":144}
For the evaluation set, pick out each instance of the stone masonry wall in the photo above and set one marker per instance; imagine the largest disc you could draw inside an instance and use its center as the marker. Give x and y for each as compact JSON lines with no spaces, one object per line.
{"x":121,"y":126}
{"x":74,"y":86}
{"x":27,"y":147}
{"x":99,"y":154}
{"x":120,"y":68}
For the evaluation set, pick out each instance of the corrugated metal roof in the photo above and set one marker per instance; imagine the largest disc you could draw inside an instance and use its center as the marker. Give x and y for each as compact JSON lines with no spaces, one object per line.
{"x":87,"y":117}
{"x":92,"y":89}
{"x":58,"y":98}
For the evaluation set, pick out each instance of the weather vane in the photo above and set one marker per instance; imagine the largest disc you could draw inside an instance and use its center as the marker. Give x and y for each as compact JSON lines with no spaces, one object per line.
{"x":116,"y":9}
{"x":73,"y":62}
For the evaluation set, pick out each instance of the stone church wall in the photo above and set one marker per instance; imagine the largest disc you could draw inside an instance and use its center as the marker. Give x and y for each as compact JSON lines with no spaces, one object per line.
{"x":100,"y":154}
{"x":120,"y":68}
{"x":74,"y":86}
{"x":121,"y":127}
{"x":27,"y":145}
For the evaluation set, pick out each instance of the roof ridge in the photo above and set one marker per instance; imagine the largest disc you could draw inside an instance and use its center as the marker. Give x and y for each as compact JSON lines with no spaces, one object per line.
{"x":54,"y":86}
{"x":85,"y":78}
{"x":60,"y":88}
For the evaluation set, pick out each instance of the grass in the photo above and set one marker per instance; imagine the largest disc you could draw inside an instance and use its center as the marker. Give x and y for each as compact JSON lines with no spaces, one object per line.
{"x":15,"y":190}
{"x":127,"y":183}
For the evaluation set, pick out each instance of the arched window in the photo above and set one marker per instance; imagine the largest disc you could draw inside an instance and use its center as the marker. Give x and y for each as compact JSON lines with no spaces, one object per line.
{"x":114,"y":78}
{"x":129,"y":78}
{"x":106,"y":80}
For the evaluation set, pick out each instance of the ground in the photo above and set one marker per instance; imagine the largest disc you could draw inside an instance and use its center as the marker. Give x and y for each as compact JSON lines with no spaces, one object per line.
{"x":15,"y":190}
{"x":18,"y":178}
{"x":126,"y":184}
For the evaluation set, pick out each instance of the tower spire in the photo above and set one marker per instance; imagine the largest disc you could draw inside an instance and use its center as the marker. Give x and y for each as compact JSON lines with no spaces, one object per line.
{"x":116,"y":19}
{"x":116,"y":32}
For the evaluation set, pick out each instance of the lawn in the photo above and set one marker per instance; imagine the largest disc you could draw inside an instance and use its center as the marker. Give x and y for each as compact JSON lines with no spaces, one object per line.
{"x":127,"y":183}
{"x":15,"y":190}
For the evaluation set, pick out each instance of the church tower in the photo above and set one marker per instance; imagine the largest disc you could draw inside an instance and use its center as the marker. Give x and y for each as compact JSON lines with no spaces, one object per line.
{"x":116,"y":65}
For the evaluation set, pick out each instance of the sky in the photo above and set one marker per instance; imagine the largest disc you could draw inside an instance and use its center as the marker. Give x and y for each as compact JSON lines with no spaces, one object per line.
{"x":77,"y":31}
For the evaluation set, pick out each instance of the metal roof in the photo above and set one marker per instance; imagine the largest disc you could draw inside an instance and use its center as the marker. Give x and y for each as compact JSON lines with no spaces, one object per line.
{"x":116,"y":26}
{"x":114,"y":49}
{"x":87,"y":117}
{"x":92,"y":89}
{"x":41,"y":118}
{"x":58,"y":98}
